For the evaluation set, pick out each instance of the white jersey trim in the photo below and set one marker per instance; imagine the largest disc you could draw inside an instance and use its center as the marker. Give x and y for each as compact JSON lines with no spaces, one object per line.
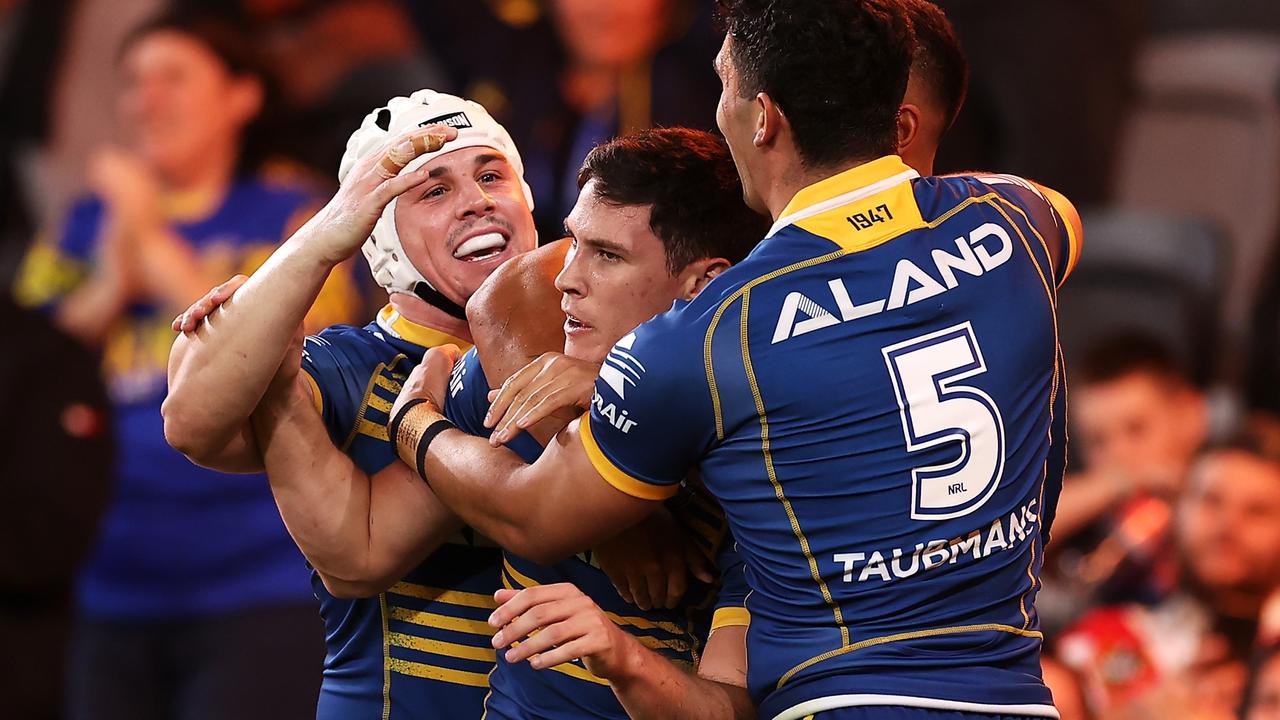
{"x":833,"y":702}
{"x":840,"y":200}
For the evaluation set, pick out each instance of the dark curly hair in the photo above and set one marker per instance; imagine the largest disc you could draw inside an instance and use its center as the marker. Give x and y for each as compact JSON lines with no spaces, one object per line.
{"x":837,"y":68}
{"x":688,"y":179}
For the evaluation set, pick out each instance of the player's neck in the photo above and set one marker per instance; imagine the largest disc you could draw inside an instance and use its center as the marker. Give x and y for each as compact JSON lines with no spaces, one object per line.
{"x":793,"y":177}
{"x":419,"y":312}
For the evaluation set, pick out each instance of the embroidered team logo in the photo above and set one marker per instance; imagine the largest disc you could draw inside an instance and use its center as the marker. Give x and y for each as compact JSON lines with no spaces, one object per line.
{"x":621,"y":368}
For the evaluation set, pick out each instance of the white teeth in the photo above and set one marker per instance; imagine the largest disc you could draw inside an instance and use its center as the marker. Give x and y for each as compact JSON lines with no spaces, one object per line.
{"x":480,"y":243}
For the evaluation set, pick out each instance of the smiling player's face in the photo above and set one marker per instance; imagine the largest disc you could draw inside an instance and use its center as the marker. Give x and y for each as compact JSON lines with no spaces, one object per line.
{"x":467,"y":218}
{"x":615,"y":275}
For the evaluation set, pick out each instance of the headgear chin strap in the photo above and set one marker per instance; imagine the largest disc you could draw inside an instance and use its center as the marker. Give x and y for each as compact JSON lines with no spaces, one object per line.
{"x":391,"y":267}
{"x":434,"y":297}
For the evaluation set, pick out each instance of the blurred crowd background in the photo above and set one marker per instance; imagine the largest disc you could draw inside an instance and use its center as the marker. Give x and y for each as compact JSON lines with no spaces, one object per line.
{"x":151,"y":149}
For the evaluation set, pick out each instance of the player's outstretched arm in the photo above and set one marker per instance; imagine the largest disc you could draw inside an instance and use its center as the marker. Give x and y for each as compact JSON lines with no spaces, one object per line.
{"x":362,"y":533}
{"x":554,"y":624}
{"x":544,"y":511}
{"x":218,"y":373}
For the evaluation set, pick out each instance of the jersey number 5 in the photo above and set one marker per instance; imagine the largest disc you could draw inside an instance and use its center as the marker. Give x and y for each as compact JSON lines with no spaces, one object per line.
{"x":937,"y":409}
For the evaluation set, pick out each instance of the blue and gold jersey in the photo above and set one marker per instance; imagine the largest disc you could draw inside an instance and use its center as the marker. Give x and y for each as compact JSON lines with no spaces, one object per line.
{"x":570,"y":690}
{"x":875,"y":396}
{"x":422,"y":648}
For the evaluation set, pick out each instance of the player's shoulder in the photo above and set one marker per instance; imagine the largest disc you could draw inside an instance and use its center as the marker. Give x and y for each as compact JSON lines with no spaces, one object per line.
{"x":347,"y":345}
{"x":942,"y":194}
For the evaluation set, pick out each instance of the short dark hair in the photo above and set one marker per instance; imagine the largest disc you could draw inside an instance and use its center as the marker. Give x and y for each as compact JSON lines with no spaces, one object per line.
{"x":1123,"y":354}
{"x":837,"y":69}
{"x":688,"y":179}
{"x":939,"y":59}
{"x":222,"y":38}
{"x":228,"y":43}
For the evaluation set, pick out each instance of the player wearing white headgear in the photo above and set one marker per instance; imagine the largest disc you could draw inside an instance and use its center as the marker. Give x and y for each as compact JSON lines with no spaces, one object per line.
{"x":384,"y":248}
{"x":433,"y":189}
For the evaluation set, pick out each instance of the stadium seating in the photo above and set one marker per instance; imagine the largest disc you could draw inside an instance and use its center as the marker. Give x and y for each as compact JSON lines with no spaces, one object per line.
{"x":1158,"y":273}
{"x":1204,"y":139}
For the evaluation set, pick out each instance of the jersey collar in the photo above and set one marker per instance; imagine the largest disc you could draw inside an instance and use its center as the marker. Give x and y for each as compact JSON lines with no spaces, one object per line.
{"x":843,"y":188}
{"x":402,"y":328}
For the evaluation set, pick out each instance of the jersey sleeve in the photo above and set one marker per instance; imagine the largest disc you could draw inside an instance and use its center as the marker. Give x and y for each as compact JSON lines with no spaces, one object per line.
{"x":58,"y":262}
{"x":468,"y":403}
{"x":339,"y":366}
{"x":731,"y":601}
{"x":468,"y":400}
{"x":651,"y":419}
{"x":1048,"y":213}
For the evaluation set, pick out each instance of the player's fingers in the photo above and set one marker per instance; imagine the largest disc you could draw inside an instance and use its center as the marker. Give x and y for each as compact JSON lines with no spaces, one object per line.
{"x":545,"y":639}
{"x":404,"y":149}
{"x":510,"y":391}
{"x":523,"y":600}
{"x":509,"y":426}
{"x":639,"y":581}
{"x":572,"y":650}
{"x":656,"y":577}
{"x":452,"y":353}
{"x":504,"y":595}
{"x":532,"y":622}
{"x":624,"y":592}
{"x":227,"y":289}
{"x":699,"y":565}
{"x":193,"y":316}
{"x":551,"y":402}
{"x":677,"y":584}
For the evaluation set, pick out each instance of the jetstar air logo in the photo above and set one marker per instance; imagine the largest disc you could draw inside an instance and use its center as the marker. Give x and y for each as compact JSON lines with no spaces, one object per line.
{"x":621,"y":368}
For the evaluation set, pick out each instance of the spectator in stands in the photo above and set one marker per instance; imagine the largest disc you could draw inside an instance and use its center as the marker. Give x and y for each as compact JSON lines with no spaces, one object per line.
{"x":565,"y":75}
{"x":194,"y":602}
{"x":335,"y":59}
{"x":1185,"y":656}
{"x":1140,"y":422}
{"x":1263,"y":700}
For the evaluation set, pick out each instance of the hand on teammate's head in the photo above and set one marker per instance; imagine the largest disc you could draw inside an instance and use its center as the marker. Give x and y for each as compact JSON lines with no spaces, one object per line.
{"x":347,"y":220}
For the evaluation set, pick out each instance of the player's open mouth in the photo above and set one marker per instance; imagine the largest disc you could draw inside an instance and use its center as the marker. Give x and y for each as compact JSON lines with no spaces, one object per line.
{"x":480,"y":247}
{"x":574,"y":326}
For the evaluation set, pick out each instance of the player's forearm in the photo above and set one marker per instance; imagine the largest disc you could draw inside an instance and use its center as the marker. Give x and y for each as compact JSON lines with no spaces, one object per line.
{"x":218,"y":374}
{"x":322,"y":496}
{"x":481,"y":485}
{"x":653,"y":688}
{"x":362,"y":533}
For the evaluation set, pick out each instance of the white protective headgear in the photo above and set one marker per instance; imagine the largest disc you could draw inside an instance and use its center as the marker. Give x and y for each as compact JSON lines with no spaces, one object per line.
{"x":476,"y":128}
